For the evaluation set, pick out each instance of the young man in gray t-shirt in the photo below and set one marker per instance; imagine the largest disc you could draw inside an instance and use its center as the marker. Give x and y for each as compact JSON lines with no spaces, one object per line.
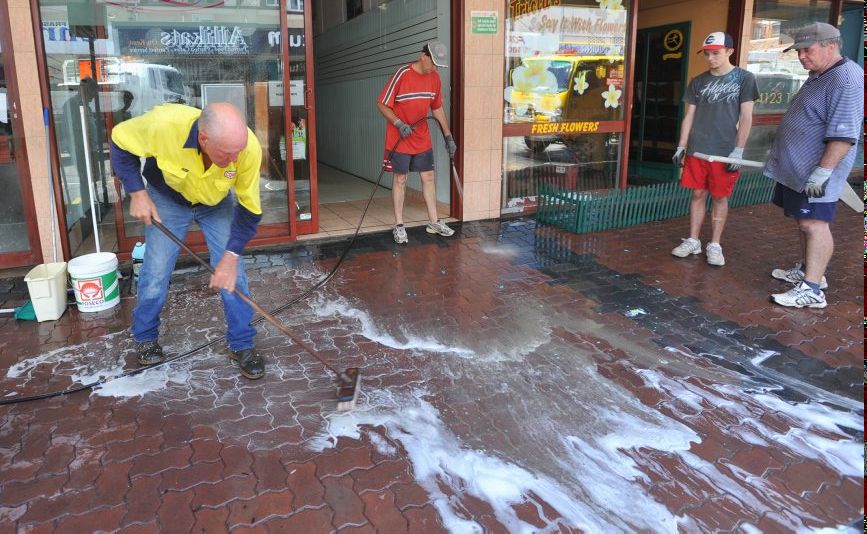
{"x":719,"y":111}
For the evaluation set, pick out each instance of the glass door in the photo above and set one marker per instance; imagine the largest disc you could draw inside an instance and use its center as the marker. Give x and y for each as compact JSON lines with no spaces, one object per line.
{"x":301,"y":125}
{"x":660,"y":81}
{"x":137,"y":55}
{"x":19,"y":238}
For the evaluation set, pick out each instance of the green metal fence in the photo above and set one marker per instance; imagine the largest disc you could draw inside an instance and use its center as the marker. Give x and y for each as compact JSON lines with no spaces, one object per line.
{"x":585,"y":211}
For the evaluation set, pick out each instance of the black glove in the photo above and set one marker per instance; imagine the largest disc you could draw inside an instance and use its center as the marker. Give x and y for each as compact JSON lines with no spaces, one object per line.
{"x":404,"y":128}
{"x":451,"y":146}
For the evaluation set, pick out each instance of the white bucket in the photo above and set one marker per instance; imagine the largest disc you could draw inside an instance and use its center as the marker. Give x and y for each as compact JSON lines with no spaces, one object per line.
{"x":94,"y":280}
{"x":46,"y":284}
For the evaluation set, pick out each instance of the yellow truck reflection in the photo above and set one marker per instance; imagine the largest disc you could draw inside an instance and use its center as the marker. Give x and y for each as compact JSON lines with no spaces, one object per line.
{"x":560,"y":87}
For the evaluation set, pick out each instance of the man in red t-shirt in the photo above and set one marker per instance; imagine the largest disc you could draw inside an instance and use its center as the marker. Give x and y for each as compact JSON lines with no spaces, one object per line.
{"x":405,"y":100}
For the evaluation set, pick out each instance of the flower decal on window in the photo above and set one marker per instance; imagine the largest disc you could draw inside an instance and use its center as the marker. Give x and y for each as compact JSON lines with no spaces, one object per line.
{"x":612,"y":96}
{"x":533,"y":80}
{"x":581,"y":84}
{"x":611,"y":5}
{"x":536,"y":77}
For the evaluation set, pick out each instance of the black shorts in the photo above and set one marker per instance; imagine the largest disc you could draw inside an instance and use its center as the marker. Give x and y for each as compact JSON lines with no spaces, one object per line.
{"x":797,"y":205}
{"x":405,"y":163}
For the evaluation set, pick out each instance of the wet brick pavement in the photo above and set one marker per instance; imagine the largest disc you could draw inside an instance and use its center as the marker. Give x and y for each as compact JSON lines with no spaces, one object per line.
{"x":515,"y":378}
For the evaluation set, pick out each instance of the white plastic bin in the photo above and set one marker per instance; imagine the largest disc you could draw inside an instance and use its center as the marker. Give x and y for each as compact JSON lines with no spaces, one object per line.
{"x":46,"y":284}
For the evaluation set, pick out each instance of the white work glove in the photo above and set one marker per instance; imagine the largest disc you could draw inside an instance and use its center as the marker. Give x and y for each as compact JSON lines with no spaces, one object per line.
{"x":679,"y":155}
{"x":737,"y":153}
{"x":816,"y":183}
{"x":404,"y":128}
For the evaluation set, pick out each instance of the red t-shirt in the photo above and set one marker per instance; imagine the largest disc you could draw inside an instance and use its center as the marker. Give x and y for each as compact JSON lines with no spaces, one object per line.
{"x":411,"y":95}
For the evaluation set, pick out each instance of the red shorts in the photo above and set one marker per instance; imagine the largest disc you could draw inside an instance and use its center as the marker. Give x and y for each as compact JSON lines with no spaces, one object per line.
{"x":713,"y":176}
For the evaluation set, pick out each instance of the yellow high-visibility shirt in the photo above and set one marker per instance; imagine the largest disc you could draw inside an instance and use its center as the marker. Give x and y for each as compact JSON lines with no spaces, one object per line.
{"x":168,"y":133}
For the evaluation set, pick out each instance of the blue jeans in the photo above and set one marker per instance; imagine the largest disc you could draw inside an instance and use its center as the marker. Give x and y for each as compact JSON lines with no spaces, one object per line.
{"x":161,"y":254}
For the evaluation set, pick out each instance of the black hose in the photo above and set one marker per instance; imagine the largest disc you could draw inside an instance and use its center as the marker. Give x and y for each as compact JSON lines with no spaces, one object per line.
{"x":292,"y":302}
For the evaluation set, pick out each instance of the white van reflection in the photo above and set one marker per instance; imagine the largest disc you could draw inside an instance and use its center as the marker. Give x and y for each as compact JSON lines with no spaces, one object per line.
{"x":132,"y":87}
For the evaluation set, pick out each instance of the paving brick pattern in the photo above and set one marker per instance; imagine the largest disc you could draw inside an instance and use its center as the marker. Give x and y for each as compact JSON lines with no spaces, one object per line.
{"x":652,"y":389}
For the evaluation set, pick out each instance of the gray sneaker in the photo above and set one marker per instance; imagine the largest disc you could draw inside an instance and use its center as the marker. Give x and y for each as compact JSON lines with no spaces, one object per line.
{"x":714,"y":254}
{"x":399,"y":233}
{"x":800,"y":296}
{"x":439,"y":228}
{"x":795,"y":275}
{"x":687,"y":247}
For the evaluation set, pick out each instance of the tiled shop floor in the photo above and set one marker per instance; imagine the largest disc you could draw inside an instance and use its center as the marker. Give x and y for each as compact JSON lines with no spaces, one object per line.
{"x":515,"y":378}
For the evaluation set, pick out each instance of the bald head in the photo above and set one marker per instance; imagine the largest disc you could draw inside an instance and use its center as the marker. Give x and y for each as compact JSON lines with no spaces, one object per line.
{"x":222,"y":133}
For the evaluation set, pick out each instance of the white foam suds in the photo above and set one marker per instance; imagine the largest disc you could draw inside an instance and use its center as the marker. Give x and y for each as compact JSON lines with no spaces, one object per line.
{"x":369,"y":330}
{"x":439,"y":461}
{"x":381,"y":445}
{"x":144,"y":382}
{"x":96,"y":360}
{"x":635,"y":312}
{"x":84,"y":363}
{"x":845,"y":455}
{"x":833,"y":447}
{"x":597,"y":479}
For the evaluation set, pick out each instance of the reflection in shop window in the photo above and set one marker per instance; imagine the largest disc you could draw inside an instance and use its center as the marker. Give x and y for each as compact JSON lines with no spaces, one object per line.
{"x":575,"y":162}
{"x":779,"y":74}
{"x":150,"y":53}
{"x":564,"y":81}
{"x":565,"y":62}
{"x":291,"y":5}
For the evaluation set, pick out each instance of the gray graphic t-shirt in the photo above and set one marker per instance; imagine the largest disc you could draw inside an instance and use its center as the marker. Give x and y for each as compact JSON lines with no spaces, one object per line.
{"x":718,"y":105}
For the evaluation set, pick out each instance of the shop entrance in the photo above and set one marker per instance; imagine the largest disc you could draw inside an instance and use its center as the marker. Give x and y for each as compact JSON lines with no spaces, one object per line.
{"x":110,"y":62}
{"x":661,"y":58}
{"x":357,"y":47}
{"x":19,"y":241}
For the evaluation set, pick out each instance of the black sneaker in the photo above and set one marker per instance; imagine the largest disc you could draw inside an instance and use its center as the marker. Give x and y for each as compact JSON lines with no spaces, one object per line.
{"x":252,"y":365}
{"x":149,"y":353}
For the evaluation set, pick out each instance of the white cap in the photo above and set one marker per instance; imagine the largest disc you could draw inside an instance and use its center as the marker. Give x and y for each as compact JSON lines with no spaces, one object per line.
{"x":437,"y":52}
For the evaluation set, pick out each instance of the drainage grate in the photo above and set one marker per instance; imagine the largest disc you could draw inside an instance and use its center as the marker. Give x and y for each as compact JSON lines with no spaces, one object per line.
{"x":585,"y":211}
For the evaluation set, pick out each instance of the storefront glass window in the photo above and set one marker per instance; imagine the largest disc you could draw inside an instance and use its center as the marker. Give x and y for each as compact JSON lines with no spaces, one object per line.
{"x":13,"y":222}
{"x":563,"y":102}
{"x":778,"y":75}
{"x":565,"y":61}
{"x":108,"y":62}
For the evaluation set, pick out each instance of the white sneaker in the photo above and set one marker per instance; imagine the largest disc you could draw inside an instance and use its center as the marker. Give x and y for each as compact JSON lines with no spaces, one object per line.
{"x":399,"y":233}
{"x":439,"y":228}
{"x":714,"y":254}
{"x":687,"y":247}
{"x":800,"y":296}
{"x":795,"y":275}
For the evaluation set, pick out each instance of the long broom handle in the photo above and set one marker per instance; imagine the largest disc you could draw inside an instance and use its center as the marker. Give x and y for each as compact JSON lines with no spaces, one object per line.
{"x":724,"y":159}
{"x":243,"y":296}
{"x":848,"y":195}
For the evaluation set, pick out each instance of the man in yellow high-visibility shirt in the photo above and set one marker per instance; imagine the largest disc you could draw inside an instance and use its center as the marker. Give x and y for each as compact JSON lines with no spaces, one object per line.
{"x":194,"y":160}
